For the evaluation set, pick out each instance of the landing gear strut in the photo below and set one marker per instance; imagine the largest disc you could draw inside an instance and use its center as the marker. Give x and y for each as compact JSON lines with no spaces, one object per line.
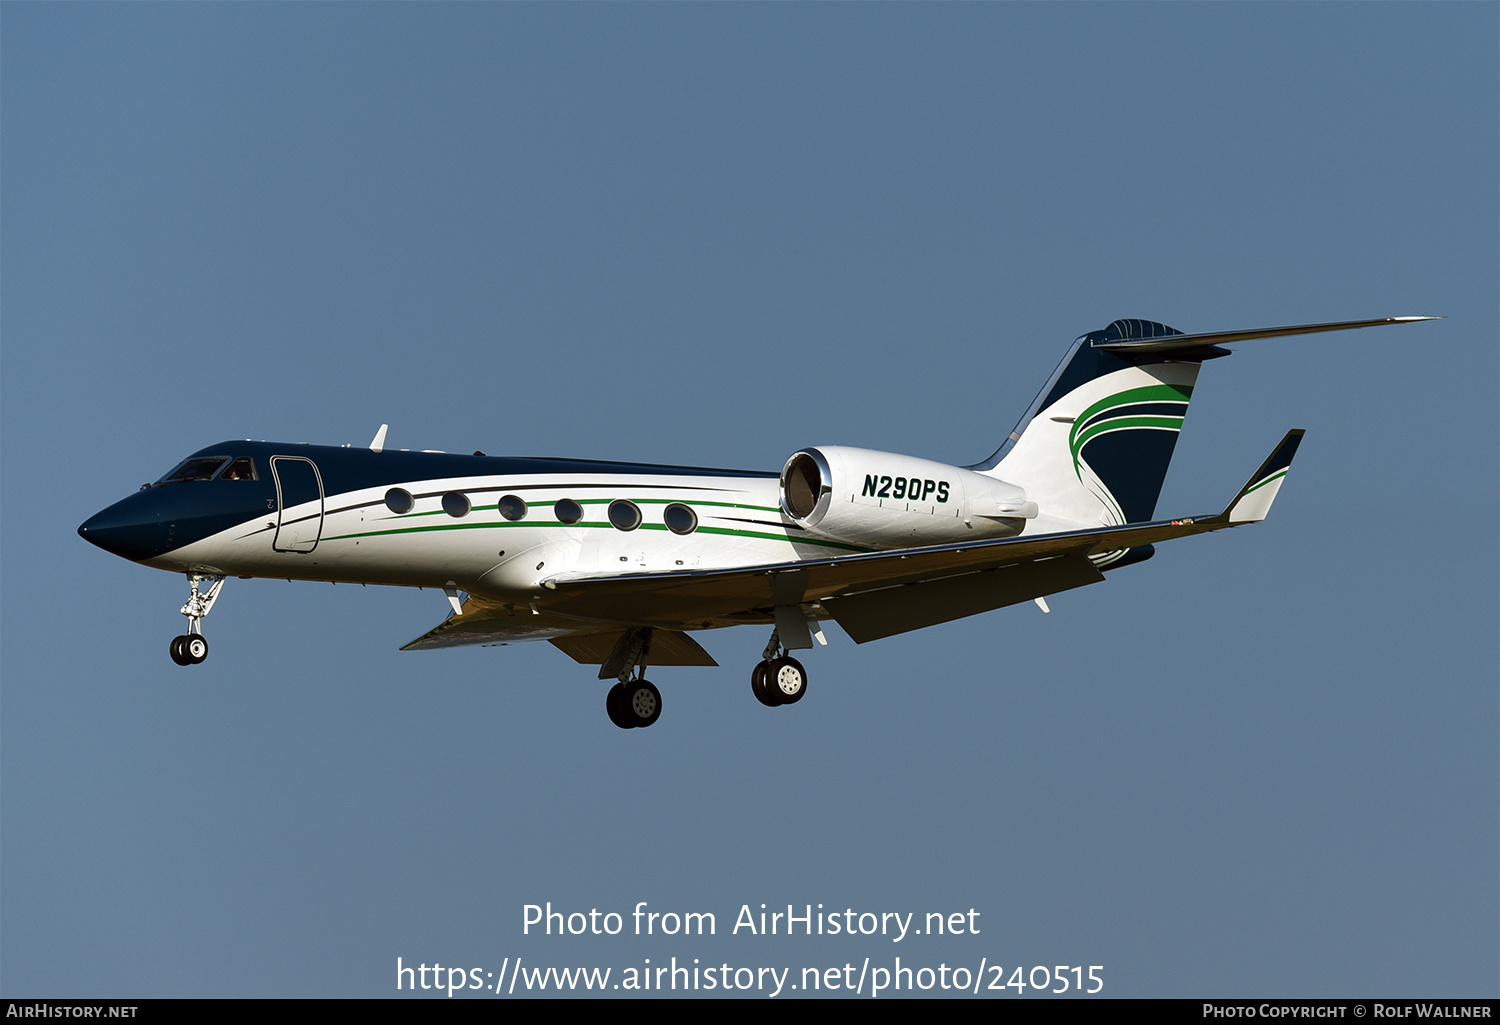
{"x":778,"y":679}
{"x":633,"y":702}
{"x":192,"y":647}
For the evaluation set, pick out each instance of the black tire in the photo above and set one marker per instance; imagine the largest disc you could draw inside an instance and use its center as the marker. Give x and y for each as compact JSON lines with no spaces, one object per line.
{"x":194,"y":648}
{"x":177,"y":654}
{"x":642,"y":703}
{"x":760,"y":684}
{"x":614,"y":705}
{"x":787,"y":680}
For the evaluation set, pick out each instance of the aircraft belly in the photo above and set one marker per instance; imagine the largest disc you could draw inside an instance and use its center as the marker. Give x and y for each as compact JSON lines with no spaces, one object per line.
{"x":523,"y":564}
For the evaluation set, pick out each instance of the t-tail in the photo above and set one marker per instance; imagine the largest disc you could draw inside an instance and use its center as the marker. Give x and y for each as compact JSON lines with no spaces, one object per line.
{"x":1094,"y":447}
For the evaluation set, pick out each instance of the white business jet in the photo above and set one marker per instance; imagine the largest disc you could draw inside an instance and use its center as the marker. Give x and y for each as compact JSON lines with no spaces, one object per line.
{"x":617,"y":564}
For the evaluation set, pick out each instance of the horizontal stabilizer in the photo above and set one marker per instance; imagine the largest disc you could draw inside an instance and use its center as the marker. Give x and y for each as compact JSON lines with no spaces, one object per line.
{"x":1175,"y":343}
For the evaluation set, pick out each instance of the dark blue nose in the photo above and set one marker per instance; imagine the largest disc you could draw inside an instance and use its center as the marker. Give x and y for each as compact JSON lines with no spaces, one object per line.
{"x":132,"y":528}
{"x":166,"y":517}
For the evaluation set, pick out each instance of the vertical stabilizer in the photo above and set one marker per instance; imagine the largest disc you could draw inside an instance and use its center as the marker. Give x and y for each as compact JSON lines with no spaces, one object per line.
{"x":1095,"y":446}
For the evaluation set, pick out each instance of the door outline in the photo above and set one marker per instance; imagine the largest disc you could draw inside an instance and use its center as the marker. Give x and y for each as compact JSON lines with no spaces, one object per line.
{"x":296,"y":545}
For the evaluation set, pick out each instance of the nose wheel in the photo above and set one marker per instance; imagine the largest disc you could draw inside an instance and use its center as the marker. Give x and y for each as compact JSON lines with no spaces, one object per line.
{"x":189,"y":649}
{"x":192,"y":647}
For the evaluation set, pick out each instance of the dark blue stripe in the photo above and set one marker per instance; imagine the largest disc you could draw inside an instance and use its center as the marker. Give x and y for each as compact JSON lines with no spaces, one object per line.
{"x":1137,"y":409}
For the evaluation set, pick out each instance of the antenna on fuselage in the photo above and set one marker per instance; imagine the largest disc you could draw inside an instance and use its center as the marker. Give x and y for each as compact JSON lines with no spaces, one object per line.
{"x":378,"y":445}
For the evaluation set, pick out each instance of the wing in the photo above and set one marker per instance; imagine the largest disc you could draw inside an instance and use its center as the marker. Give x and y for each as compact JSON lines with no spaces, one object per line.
{"x":871,"y":595}
{"x":882,"y":593}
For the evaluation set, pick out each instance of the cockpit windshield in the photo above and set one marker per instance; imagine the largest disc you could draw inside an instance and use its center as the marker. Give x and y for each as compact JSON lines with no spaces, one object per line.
{"x":201,"y":468}
{"x":242,"y":468}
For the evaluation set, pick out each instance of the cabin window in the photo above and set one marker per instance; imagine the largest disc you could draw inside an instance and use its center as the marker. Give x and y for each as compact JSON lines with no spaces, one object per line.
{"x":399,"y":500}
{"x":679,"y":518}
{"x":242,"y":468}
{"x":513,"y":508}
{"x":625,"y":515}
{"x":201,"y":468}
{"x":456,"y":504}
{"x":568,"y":511}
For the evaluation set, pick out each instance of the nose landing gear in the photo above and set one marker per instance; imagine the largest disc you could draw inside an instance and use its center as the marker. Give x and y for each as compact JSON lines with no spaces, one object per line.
{"x":192,"y":647}
{"x":189,"y":649}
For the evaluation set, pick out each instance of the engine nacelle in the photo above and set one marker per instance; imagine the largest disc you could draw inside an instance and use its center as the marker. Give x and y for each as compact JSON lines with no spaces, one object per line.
{"x":885,"y":500}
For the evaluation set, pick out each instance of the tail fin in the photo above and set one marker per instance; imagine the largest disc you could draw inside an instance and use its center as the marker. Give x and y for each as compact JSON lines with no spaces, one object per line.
{"x":1095,"y":445}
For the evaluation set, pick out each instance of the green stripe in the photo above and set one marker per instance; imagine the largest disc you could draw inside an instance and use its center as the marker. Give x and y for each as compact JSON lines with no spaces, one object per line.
{"x":1262,"y":483}
{"x":1078,"y":437}
{"x":644,"y":526}
{"x":1150,"y":393}
{"x":1173,"y":423}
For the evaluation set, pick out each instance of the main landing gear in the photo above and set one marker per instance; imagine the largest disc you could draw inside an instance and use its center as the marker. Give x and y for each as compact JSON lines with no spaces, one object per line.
{"x":634,"y":702}
{"x":778,"y":679}
{"x":192,"y":647}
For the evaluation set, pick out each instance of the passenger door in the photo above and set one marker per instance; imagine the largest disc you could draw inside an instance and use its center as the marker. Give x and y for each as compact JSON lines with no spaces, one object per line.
{"x":299,"y":504}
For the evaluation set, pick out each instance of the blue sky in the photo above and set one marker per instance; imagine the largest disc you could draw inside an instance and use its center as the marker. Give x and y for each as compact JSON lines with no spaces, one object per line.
{"x":1264,"y":762}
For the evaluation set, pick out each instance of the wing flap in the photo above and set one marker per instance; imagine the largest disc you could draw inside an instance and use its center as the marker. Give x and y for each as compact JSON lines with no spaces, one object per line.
{"x":668,"y":648}
{"x":870,"y":615}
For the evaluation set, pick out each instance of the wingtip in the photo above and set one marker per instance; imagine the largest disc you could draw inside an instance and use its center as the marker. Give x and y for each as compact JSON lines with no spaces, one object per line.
{"x":1253,"y":502}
